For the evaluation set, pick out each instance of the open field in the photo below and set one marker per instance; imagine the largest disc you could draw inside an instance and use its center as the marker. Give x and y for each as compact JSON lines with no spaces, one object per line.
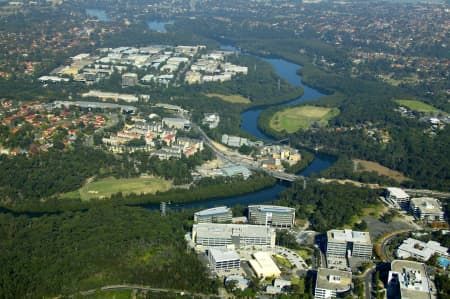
{"x":364,"y":165}
{"x":232,"y":98}
{"x":293,"y":119}
{"x":104,"y":188}
{"x":418,"y":106}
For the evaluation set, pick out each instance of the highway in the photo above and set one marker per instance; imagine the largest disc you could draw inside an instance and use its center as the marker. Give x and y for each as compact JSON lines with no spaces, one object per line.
{"x":238,"y":159}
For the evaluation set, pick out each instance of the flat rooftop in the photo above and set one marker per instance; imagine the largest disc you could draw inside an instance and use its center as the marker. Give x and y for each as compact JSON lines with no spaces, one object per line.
{"x":272,"y":209}
{"x":333,"y":279}
{"x":347,"y":235}
{"x":263,"y":265}
{"x":413,"y":280}
{"x":427,"y":204}
{"x":213,"y":211}
{"x":223,"y":254}
{"x":397,"y":192}
{"x":220,"y":230}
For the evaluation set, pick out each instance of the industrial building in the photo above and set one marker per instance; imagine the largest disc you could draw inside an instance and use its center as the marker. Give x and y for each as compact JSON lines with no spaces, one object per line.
{"x":237,"y":170}
{"x":398,"y":197}
{"x":110,"y":96}
{"x":223,"y":259}
{"x":263,"y":265}
{"x":237,"y":235}
{"x":411,"y":280}
{"x":214,"y":215}
{"x":277,"y":216}
{"x":331,"y":282}
{"x":427,"y":209}
{"x":348,"y":243}
{"x":420,"y":250}
{"x":177,"y":123}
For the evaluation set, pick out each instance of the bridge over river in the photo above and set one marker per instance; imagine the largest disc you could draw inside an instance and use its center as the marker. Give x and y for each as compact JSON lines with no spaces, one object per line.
{"x":238,"y":159}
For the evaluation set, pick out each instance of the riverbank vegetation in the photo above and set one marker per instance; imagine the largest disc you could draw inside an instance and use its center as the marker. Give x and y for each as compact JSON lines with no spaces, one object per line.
{"x":364,"y":103}
{"x":328,"y":206}
{"x":344,"y":168}
{"x":107,"y":245}
{"x":307,"y":158}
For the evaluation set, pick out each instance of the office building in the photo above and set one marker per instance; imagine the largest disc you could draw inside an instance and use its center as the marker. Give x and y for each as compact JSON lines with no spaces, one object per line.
{"x":348,"y":243}
{"x":129,"y":79}
{"x":331,"y":282}
{"x":398,"y":197}
{"x":276,"y":216}
{"x":408,"y":279}
{"x":237,"y":235}
{"x":223,"y":259}
{"x":214,"y":215}
{"x":427,"y":209}
{"x":420,"y":250}
{"x":177,"y":123}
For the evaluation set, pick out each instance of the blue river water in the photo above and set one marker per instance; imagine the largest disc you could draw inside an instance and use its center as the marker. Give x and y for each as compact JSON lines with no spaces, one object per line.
{"x":249,"y":123}
{"x":249,"y":120}
{"x":288,"y":71}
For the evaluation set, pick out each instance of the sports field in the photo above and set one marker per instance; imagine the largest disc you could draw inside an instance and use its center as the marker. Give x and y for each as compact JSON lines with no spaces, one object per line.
{"x":104,"y":188}
{"x":232,"y":98}
{"x":302,"y":117}
{"x":418,"y":106}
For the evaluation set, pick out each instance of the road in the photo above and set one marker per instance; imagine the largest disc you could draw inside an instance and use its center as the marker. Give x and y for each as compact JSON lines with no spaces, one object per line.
{"x":119,"y":287}
{"x":367,"y":277}
{"x":238,"y":159}
{"x":428,"y":193}
{"x":387,"y":240}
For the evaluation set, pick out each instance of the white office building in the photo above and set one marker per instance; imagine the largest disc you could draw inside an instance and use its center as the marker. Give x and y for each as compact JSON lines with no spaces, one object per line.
{"x":427,"y":209}
{"x":398,"y":197}
{"x":214,"y":215}
{"x":235,"y":235}
{"x":223,"y":259}
{"x":331,"y":282}
{"x":348,"y":243}
{"x":411,"y":279}
{"x":277,"y":216}
{"x":420,"y":250}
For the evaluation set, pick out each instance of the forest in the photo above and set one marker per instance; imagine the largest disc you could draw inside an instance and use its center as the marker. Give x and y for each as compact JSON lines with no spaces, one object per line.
{"x":328,"y":206}
{"x":65,"y":253}
{"x":53,"y":172}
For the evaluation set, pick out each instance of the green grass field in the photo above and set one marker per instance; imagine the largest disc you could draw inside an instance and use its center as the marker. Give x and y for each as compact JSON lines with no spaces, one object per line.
{"x":293,"y":119}
{"x":233,"y":98}
{"x":104,"y":188}
{"x":418,"y":106}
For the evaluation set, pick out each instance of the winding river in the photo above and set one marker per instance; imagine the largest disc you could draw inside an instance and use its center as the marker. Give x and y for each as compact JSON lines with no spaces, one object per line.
{"x":249,"y":123}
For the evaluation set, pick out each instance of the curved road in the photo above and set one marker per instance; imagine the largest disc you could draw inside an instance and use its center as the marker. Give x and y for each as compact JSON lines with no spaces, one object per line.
{"x":119,"y":287}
